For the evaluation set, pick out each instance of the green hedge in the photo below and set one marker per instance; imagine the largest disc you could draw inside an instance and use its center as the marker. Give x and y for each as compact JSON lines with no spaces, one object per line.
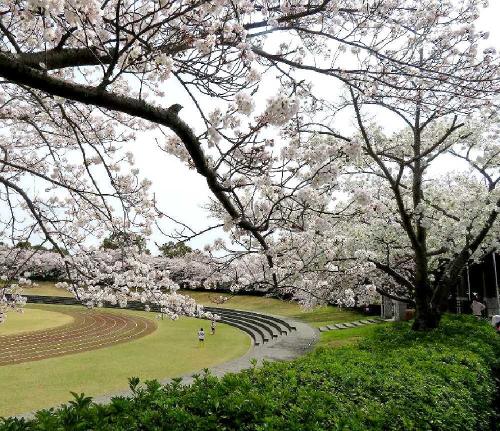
{"x":394,"y":380}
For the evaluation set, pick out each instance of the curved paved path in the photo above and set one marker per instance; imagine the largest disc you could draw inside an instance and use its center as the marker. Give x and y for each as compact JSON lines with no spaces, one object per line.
{"x":90,"y":330}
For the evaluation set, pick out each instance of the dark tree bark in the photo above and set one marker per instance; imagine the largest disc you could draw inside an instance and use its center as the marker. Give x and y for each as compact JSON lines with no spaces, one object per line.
{"x":427,"y":315}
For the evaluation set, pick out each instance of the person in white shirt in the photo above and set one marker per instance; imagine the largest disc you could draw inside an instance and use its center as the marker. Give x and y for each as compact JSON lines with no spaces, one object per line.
{"x":477,"y":308}
{"x":212,"y":327}
{"x":201,"y":337}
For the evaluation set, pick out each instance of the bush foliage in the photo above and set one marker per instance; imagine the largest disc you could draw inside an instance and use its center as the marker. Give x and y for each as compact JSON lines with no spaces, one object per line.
{"x":395,"y":379}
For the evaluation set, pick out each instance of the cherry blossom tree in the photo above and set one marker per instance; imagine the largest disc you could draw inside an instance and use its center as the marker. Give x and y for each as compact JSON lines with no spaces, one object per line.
{"x":118,"y":276}
{"x":423,"y":229}
{"x":39,"y":263}
{"x":61,"y":182}
{"x":113,"y":55}
{"x":439,"y":83}
{"x":438,"y":114}
{"x":458,"y":212}
{"x":11,"y":298}
{"x":120,"y":51}
{"x":99,"y":277}
{"x":350,"y":243}
{"x":15,"y":266}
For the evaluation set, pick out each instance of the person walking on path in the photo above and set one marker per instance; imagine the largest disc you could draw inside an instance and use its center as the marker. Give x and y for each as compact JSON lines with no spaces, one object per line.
{"x":201,"y":337}
{"x":212,"y":327}
{"x":477,"y":308}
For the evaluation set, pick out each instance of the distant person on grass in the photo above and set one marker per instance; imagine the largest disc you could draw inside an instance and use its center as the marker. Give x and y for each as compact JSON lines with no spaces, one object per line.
{"x":495,"y":322}
{"x":201,"y":337}
{"x":212,"y":327}
{"x":477,"y":308}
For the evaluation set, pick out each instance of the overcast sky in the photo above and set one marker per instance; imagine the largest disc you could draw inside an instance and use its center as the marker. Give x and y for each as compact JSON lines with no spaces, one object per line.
{"x":182,"y":192}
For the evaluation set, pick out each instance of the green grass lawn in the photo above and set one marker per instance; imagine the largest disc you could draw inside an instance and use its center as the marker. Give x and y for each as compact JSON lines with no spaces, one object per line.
{"x":345,"y":337}
{"x":46,"y":288}
{"x":172,"y":350}
{"x":33,"y":319}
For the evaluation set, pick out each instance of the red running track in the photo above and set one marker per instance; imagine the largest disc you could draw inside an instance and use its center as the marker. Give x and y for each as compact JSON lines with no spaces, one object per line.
{"x":90,"y":330}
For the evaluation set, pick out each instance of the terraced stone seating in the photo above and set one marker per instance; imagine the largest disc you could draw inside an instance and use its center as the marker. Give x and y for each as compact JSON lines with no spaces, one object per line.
{"x":261,"y":327}
{"x":63,"y":300}
{"x":346,"y":325}
{"x":39,"y":299}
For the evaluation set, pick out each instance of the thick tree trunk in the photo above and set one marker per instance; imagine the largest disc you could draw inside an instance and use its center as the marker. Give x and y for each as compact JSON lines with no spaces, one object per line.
{"x":427,"y":312}
{"x":431,"y":303}
{"x":427,"y":318}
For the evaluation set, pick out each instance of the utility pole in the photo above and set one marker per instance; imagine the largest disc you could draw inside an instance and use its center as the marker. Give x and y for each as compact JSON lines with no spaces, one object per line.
{"x":468,"y":282}
{"x":496,"y":281}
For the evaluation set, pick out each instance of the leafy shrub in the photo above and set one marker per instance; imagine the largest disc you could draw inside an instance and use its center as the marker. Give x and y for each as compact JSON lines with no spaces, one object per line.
{"x":394,"y":380}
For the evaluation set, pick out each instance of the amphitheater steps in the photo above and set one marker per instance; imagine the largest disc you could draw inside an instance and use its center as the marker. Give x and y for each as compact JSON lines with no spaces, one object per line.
{"x":286,"y":326}
{"x":269,"y":327}
{"x":275,"y":327}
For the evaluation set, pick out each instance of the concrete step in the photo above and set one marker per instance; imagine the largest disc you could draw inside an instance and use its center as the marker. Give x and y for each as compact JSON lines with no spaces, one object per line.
{"x":259,"y":338}
{"x":279,"y":326}
{"x":264,"y":316}
{"x":256,"y":337}
{"x":248,"y":320}
{"x":276,"y":328}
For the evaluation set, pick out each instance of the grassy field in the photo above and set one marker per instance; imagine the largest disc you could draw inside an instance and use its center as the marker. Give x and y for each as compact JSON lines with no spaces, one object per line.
{"x":46,"y":288}
{"x":33,"y":319}
{"x":345,"y":337}
{"x":172,"y":350}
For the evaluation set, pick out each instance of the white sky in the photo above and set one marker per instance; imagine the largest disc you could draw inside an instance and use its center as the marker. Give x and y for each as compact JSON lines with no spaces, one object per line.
{"x":181,"y":192}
